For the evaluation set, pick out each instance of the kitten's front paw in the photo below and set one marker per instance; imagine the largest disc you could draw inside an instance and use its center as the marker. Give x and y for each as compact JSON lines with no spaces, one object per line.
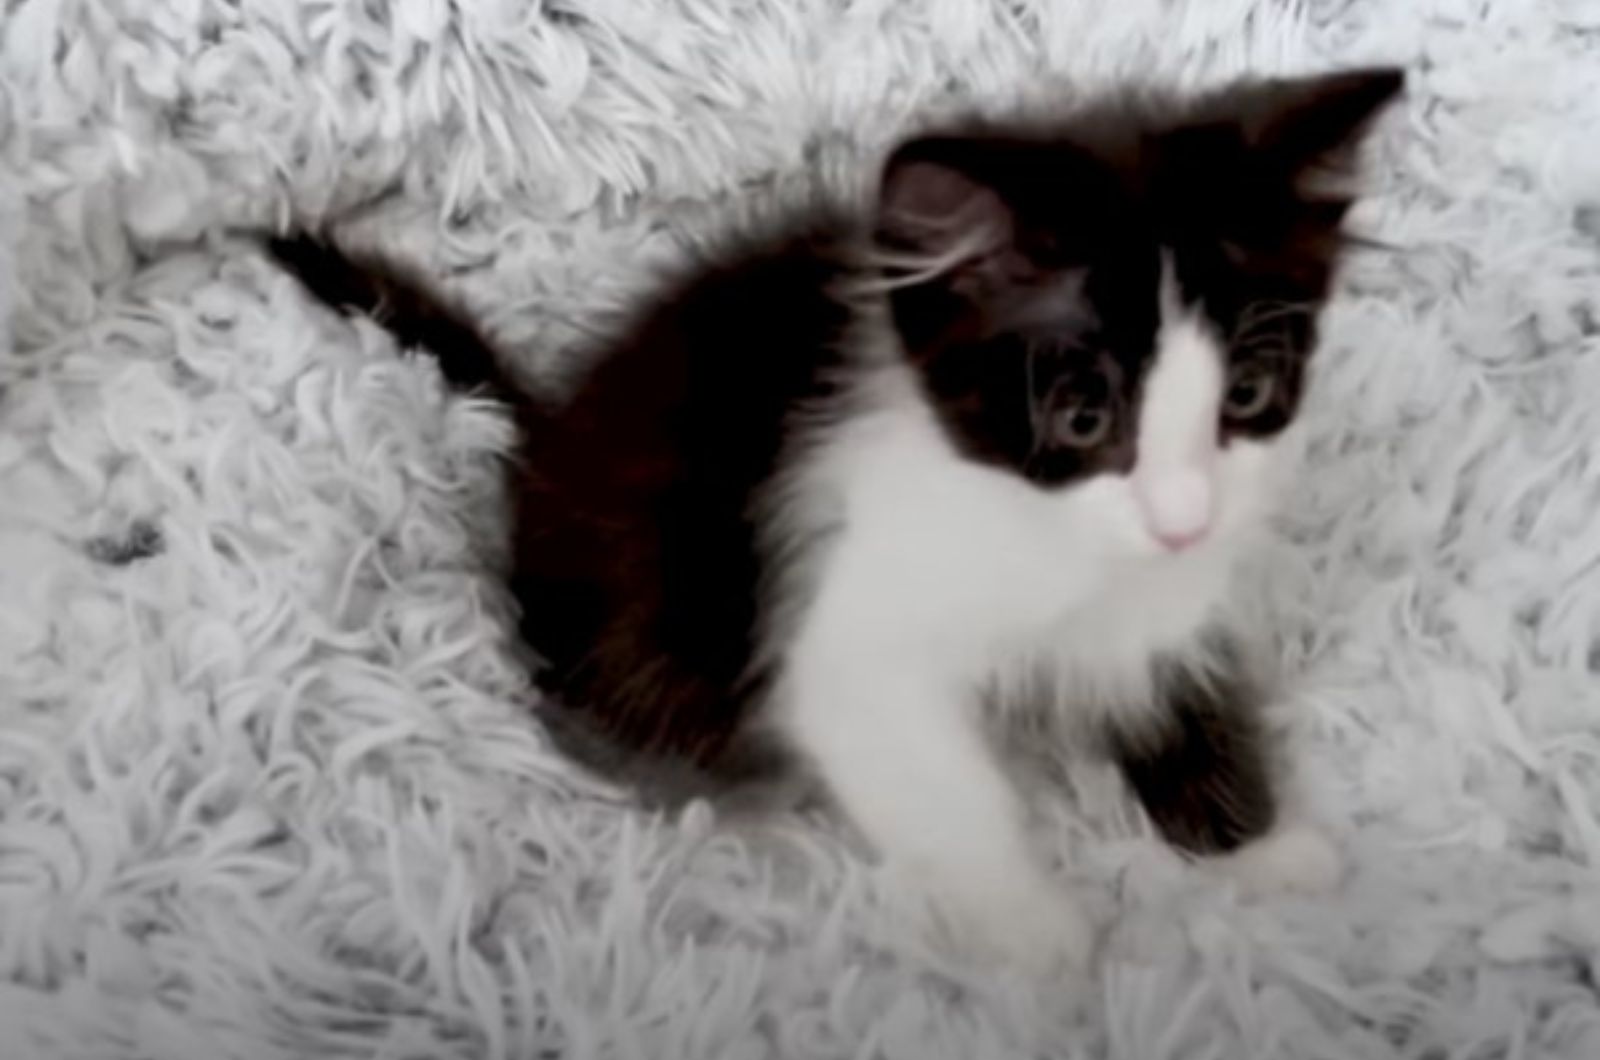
{"x":1034,"y":928}
{"x":1298,"y":859}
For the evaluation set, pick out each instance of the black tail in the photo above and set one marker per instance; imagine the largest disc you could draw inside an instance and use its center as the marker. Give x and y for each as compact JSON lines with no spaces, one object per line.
{"x":400,"y":302}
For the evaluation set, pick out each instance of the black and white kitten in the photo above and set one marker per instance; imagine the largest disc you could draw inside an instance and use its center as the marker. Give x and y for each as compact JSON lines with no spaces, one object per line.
{"x":1016,"y":420}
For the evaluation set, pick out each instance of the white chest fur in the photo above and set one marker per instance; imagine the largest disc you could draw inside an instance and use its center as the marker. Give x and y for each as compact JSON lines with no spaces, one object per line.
{"x":941,"y":576}
{"x":966,"y":568}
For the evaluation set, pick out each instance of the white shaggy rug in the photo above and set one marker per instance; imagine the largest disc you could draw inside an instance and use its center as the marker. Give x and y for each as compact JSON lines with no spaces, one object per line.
{"x":269,"y":781}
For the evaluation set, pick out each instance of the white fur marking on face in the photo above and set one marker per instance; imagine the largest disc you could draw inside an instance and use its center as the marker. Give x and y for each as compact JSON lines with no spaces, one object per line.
{"x":1175,"y":476}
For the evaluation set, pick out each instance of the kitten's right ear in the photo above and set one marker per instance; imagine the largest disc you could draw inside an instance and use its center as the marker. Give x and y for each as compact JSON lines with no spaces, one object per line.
{"x":1316,"y":123}
{"x":937,"y":213}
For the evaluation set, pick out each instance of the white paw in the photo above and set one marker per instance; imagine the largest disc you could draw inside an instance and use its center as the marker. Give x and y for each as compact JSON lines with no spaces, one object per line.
{"x":1297,"y":859}
{"x":1033,"y":927}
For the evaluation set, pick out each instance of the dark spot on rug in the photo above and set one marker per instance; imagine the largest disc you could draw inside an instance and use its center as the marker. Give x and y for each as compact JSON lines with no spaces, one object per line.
{"x":1581,"y":971}
{"x":140,"y":541}
{"x":279,"y":835}
{"x":558,"y":16}
{"x":1583,"y":315}
{"x":1544,"y":844}
{"x":1586,"y":219}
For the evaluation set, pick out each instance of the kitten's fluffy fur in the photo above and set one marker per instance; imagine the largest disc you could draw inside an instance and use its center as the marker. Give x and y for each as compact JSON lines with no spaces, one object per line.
{"x":1020,"y":421}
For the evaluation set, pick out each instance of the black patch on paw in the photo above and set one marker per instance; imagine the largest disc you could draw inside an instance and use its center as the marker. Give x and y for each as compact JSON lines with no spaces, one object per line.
{"x":1202,"y":770}
{"x":141,"y":541}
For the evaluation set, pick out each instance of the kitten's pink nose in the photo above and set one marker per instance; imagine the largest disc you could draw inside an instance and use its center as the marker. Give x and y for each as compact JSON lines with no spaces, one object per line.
{"x":1178,"y":542}
{"x":1176,"y":505}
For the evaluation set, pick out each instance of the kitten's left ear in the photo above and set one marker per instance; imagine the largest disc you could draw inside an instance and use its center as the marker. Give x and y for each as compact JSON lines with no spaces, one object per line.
{"x":931,"y":205}
{"x":1313,"y":125}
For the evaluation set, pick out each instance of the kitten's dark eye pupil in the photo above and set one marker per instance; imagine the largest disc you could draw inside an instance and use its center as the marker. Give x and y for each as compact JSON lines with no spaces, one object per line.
{"x":1249,"y":394}
{"x":1080,"y":426}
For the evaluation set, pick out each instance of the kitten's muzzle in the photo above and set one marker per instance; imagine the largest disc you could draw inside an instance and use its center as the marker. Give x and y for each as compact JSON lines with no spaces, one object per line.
{"x":1177,"y":505}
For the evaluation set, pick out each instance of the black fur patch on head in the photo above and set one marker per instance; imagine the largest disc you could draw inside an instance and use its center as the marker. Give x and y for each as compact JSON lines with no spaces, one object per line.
{"x":1035,"y":336}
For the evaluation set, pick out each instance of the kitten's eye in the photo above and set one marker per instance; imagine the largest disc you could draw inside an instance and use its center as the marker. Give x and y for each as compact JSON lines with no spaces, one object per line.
{"x":1250,"y":392}
{"x":1076,"y":424}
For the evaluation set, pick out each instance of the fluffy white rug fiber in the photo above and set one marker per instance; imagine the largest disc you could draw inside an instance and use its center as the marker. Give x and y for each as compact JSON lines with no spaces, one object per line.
{"x":269,"y":781}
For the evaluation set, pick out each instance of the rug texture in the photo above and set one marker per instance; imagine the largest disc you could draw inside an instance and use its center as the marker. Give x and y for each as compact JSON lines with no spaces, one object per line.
{"x":271,"y":783}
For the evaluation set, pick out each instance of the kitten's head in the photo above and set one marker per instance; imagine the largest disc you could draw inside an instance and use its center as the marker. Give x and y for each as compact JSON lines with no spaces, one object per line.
{"x":1123,"y":310}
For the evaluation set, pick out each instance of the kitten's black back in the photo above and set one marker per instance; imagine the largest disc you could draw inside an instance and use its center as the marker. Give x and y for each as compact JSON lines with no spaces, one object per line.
{"x":636,"y":563}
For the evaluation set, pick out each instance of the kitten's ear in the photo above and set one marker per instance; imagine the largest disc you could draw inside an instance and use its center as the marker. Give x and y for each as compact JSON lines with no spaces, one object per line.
{"x":937,"y":212}
{"x":1313,"y":125}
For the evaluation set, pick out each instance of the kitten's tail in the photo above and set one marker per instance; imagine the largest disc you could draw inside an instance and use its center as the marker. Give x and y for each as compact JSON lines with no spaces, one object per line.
{"x":401,"y":303}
